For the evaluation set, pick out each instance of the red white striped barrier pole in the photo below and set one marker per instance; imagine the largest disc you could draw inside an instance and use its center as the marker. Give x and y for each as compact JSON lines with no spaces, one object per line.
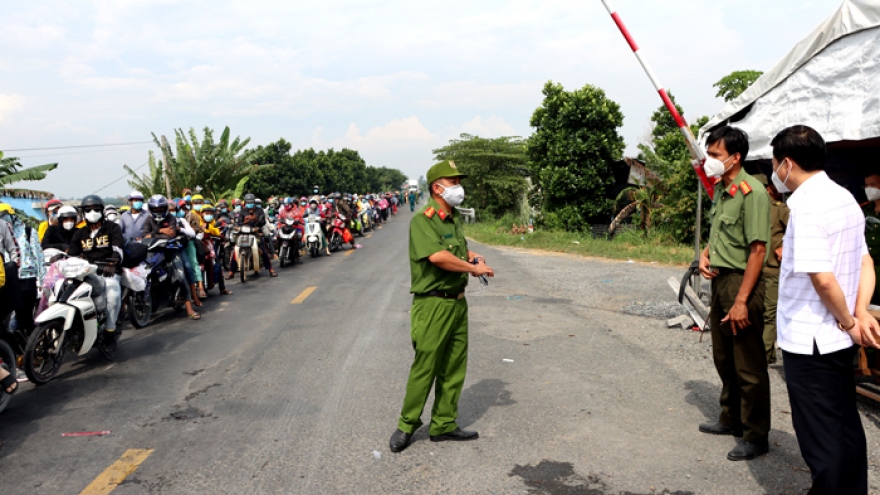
{"x":699,"y":157}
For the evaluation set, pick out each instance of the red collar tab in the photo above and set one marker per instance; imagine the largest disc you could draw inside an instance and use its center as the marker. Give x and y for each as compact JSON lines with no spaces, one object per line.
{"x":442,"y":214}
{"x":732,"y":191}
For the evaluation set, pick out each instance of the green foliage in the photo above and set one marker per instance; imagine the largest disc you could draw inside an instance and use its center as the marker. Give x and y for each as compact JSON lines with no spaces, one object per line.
{"x":733,"y":84}
{"x":496,"y":168}
{"x":571,"y":152}
{"x":217,"y":167}
{"x":11,"y":171}
{"x":296,"y":174}
{"x":668,"y":156}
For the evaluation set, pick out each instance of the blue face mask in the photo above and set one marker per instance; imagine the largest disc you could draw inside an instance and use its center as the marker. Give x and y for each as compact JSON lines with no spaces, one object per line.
{"x":137,"y":205}
{"x":259,"y":207}
{"x":198,"y":207}
{"x":330,"y":201}
{"x":208,"y":218}
{"x":249,"y":206}
{"x":315,"y":191}
{"x":180,"y":213}
{"x":237,"y":207}
{"x":303,"y":203}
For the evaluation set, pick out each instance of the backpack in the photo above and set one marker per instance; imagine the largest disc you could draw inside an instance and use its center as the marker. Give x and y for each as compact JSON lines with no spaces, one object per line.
{"x":135,"y":253}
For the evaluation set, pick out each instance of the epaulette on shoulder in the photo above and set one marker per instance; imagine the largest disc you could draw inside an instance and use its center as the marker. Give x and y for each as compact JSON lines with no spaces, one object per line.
{"x":430,"y":211}
{"x":745,"y":188}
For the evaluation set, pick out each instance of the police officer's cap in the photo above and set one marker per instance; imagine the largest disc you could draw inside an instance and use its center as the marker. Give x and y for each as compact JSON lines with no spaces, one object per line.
{"x":442,"y":170}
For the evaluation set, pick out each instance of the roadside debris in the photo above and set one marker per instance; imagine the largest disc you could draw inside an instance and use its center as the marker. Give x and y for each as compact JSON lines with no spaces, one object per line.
{"x":507,"y":360}
{"x":377,"y":454}
{"x":86,"y":433}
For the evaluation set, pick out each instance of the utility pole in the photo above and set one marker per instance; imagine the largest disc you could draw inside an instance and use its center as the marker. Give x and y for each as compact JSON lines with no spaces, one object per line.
{"x":167,"y":170}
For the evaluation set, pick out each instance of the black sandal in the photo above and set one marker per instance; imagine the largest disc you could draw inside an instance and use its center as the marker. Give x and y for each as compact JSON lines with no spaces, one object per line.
{"x":8,"y":382}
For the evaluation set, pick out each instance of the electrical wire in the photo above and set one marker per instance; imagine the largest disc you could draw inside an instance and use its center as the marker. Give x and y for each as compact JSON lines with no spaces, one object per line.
{"x":65,"y":154}
{"x":77,"y":146}
{"x":142,"y":165}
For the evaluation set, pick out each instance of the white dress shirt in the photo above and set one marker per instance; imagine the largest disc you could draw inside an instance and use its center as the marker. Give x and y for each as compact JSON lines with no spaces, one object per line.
{"x":826,"y":233}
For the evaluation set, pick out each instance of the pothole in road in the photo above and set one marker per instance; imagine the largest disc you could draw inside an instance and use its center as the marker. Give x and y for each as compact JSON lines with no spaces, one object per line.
{"x":188,"y":413}
{"x":559,"y":478}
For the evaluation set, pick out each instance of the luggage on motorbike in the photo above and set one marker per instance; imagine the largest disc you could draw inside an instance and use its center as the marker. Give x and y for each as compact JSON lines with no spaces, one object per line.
{"x":135,"y":254}
{"x":201,"y":252}
{"x":135,"y":278}
{"x":346,"y":236}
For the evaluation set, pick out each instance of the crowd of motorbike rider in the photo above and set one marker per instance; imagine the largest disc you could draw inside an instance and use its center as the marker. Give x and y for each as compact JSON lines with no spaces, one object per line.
{"x":109,"y":237}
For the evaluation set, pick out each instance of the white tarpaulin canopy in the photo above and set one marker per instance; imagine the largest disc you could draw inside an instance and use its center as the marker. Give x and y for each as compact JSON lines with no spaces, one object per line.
{"x":829,"y":81}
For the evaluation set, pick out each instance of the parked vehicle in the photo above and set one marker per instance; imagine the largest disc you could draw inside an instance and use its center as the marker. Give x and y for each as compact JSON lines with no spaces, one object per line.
{"x":289,"y":240}
{"x":247,"y":250}
{"x":314,"y":235}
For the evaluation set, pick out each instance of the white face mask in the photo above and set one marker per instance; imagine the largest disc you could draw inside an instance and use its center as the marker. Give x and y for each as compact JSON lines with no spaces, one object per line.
{"x":453,"y":195}
{"x":780,"y":183}
{"x":94,"y":216}
{"x":873,"y":193}
{"x":715,"y":167}
{"x":68,"y":225}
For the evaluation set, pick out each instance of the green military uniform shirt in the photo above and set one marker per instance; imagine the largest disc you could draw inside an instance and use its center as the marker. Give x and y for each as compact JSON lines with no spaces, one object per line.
{"x":779,"y":214}
{"x":872,"y":233}
{"x":431,"y":230}
{"x":740,"y":215}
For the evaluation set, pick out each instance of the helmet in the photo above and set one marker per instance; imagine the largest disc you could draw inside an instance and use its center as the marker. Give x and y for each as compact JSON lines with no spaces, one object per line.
{"x":92,"y":200}
{"x":250,"y":198}
{"x":53,"y":203}
{"x":136,"y":195}
{"x":313,"y":201}
{"x":288,"y":201}
{"x":6,"y":208}
{"x":207,"y":207}
{"x":158,"y":207}
{"x":67,"y":212}
{"x":198,"y":197}
{"x":110,"y":213}
{"x":236,"y":201}
{"x":304,"y":199}
{"x":258,"y":202}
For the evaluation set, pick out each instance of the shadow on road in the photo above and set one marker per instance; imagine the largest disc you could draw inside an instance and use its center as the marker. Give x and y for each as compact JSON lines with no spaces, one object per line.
{"x":478,"y":398}
{"x":704,"y":396}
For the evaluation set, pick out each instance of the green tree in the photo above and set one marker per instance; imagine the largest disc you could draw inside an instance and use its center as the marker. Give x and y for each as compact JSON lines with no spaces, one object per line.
{"x":497,"y":170}
{"x":571,"y":152}
{"x":668,"y":156}
{"x":733,"y":84}
{"x":11,"y":172}
{"x":218,"y":167}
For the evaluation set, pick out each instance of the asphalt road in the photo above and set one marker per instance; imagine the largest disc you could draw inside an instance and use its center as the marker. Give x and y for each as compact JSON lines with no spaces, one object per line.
{"x":265,"y":396}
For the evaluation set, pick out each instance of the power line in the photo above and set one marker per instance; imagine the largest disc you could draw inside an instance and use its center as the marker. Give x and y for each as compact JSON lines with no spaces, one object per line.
{"x":142,"y":165}
{"x":78,"y":146}
{"x":43,"y":155}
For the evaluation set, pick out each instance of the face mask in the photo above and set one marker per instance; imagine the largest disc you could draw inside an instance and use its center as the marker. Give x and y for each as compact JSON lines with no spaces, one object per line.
{"x":180,"y":214}
{"x":715,"y":167}
{"x":94,"y":216}
{"x":198,"y":207}
{"x":272,"y":218}
{"x":872,"y":193}
{"x":238,"y":208}
{"x":330,"y":201}
{"x":137,"y":205}
{"x":315,"y":191}
{"x":249,"y":206}
{"x":111,"y":217}
{"x":780,"y":183}
{"x":224,"y":210}
{"x":453,"y":195}
{"x":208,"y":218}
{"x":68,"y":225}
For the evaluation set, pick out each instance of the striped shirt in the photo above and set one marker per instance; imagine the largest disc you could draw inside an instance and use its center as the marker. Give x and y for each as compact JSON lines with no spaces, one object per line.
{"x":826,"y":233}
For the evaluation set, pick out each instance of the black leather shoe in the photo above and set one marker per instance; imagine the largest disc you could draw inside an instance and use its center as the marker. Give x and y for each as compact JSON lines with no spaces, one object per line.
{"x":457,"y":435}
{"x":719,"y":428}
{"x":399,"y":440}
{"x":745,"y":451}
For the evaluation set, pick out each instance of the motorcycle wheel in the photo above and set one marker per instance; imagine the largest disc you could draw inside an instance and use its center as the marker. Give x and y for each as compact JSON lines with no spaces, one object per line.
{"x":335,"y":242}
{"x":282,"y":255}
{"x":7,"y":362}
{"x":40,"y":365}
{"x":244,"y":264}
{"x":140,"y":309}
{"x":226,"y":258}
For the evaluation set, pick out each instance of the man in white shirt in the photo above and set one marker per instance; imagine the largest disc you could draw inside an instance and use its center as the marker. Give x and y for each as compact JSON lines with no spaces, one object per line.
{"x":825,"y":283}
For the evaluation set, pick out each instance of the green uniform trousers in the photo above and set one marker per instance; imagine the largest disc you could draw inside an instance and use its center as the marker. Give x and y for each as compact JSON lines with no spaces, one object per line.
{"x":741,"y":359}
{"x":440,"y":338}
{"x":771,"y":297}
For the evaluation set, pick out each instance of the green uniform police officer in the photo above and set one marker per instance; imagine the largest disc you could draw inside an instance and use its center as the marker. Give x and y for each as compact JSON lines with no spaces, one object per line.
{"x":872,"y":227}
{"x":439,"y":266}
{"x":733,"y":260}
{"x":779,"y":214}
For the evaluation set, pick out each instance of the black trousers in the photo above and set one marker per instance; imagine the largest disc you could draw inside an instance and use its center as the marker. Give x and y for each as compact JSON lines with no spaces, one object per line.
{"x":822,"y":392}
{"x":27,"y":304}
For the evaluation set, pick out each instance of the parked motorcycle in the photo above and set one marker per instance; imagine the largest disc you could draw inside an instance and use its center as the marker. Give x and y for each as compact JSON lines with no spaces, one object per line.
{"x":289,"y":240}
{"x":167,"y":277}
{"x":71,"y":323}
{"x":314,"y":235}
{"x":339,"y":233}
{"x":247,"y":250}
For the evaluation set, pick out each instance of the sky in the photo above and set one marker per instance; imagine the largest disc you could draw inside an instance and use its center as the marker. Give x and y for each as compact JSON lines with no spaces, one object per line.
{"x":390,"y":79}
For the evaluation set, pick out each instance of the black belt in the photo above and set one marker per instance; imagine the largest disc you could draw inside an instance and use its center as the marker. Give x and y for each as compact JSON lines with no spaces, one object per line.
{"x":728,"y":271}
{"x":444,"y":295}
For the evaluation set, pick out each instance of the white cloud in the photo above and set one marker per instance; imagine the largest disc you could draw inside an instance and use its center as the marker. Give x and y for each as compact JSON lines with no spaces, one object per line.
{"x":491,"y":127}
{"x":10,"y":104}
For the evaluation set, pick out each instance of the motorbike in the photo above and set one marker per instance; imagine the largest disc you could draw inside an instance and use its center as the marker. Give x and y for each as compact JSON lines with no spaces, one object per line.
{"x":12,"y":345}
{"x":166,"y":279}
{"x":314,"y":235}
{"x":337,"y":234}
{"x":289,"y":240}
{"x":366,"y":219}
{"x":247,"y":250}
{"x":71,"y":323}
{"x":135,"y":304}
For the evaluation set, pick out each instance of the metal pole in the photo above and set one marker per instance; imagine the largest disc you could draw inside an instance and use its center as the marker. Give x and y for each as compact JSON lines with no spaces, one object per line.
{"x":699,"y":157}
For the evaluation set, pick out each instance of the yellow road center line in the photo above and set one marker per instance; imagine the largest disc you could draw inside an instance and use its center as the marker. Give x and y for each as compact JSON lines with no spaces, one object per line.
{"x":349,"y":252}
{"x":303,"y":295}
{"x":117,"y":472}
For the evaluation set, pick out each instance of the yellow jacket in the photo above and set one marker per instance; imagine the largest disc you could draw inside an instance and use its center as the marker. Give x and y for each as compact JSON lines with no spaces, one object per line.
{"x":41,"y":230}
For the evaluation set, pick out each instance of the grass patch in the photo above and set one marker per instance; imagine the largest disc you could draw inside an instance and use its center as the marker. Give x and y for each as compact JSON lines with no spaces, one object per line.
{"x":631,"y":245}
